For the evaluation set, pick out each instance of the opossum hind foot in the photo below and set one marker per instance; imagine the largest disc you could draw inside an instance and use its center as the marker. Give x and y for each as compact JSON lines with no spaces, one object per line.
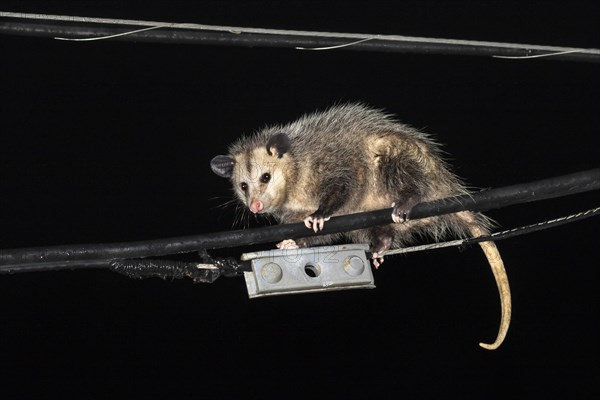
{"x":381,"y":240}
{"x":287,"y":244}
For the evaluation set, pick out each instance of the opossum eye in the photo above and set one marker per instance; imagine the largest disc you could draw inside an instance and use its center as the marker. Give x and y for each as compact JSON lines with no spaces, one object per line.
{"x":265,"y":178}
{"x":244,"y":186}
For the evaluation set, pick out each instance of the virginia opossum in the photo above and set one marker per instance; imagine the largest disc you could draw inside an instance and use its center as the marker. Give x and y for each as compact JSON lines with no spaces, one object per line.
{"x":348,"y":159}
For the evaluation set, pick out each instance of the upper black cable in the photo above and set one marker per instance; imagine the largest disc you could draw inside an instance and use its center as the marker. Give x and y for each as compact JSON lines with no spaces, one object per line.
{"x":87,"y":28}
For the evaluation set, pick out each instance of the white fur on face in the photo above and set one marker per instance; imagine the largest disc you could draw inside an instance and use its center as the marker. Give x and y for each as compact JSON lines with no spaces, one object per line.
{"x":250,"y":169}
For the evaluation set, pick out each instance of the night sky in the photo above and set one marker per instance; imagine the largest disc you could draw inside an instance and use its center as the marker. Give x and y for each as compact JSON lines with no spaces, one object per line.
{"x":110,"y":141}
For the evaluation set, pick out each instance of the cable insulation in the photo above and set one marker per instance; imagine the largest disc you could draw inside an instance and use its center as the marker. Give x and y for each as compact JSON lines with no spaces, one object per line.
{"x":98,"y":255}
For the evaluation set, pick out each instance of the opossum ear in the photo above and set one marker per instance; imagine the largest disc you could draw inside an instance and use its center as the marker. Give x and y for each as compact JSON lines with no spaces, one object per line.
{"x":222,"y":166}
{"x":278,"y":144}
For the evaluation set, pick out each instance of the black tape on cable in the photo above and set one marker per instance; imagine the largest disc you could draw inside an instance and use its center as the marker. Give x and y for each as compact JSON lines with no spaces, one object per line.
{"x":165,"y":269}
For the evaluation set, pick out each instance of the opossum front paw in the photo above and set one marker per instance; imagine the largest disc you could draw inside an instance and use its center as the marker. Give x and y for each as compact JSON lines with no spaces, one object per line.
{"x":315,"y":222}
{"x":401,"y":210}
{"x":287,"y":244}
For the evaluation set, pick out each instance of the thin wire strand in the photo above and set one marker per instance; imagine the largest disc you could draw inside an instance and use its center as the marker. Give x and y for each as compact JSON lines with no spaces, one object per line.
{"x":110,"y":36}
{"x":538,"y":55}
{"x":498,"y":235}
{"x":333,"y":47}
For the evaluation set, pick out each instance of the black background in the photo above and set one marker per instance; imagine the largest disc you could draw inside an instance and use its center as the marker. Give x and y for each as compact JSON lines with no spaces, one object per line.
{"x":111,"y":141}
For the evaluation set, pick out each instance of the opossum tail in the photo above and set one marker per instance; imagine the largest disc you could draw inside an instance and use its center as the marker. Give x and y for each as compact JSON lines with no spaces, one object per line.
{"x":497,"y":265}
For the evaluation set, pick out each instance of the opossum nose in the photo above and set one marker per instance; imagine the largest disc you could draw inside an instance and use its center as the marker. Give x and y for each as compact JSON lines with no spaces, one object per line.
{"x":256,"y":206}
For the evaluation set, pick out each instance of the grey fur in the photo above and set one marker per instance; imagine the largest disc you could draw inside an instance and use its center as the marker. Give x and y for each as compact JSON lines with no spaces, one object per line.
{"x":335,"y":144}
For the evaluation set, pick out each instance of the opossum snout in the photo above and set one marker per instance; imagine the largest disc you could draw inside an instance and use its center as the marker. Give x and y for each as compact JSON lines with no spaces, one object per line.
{"x":256,"y":206}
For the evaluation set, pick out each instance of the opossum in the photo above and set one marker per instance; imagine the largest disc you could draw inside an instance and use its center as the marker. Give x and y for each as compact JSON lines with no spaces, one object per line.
{"x":352,"y":158}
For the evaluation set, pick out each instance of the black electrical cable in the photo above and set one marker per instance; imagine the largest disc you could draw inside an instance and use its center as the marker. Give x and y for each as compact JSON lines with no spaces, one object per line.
{"x":101,"y":255}
{"x":282,"y":40}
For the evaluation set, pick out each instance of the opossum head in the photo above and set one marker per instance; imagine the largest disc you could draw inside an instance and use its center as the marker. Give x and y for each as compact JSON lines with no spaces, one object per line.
{"x":258,"y":172}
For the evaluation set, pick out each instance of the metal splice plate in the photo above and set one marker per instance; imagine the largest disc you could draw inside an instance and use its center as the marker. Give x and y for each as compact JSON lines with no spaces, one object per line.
{"x":313,"y":269}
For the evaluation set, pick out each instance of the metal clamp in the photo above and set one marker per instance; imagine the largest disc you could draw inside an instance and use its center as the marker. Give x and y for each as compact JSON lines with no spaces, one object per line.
{"x":313,"y":269}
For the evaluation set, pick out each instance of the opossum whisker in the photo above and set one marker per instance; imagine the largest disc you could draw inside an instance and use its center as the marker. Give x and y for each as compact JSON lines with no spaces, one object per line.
{"x":227,"y":204}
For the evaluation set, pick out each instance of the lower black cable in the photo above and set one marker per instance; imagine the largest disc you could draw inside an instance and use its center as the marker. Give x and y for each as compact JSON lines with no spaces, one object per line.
{"x":100,"y":255}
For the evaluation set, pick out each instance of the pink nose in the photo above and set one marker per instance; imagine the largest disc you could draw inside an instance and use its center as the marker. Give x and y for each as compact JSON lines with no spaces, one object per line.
{"x":256,"y":206}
